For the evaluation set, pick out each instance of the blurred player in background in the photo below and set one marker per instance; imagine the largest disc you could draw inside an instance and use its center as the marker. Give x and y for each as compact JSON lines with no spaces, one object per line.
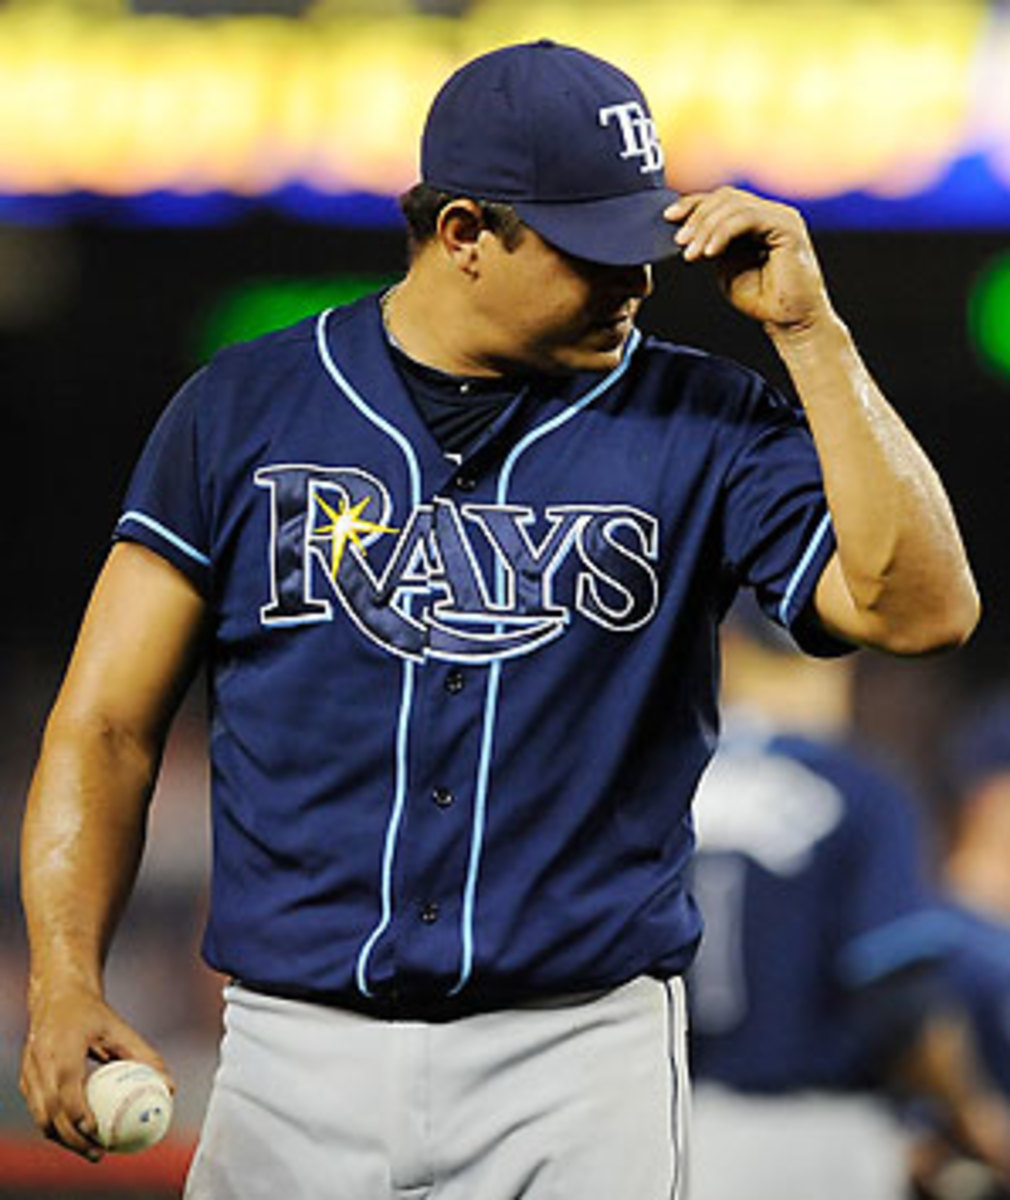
{"x":456,"y":556}
{"x":817,"y":998}
{"x":976,"y":875}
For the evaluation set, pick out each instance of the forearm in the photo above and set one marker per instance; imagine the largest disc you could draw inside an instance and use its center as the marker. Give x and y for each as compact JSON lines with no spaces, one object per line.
{"x":899,"y":549}
{"x":900,"y":580}
{"x":942,"y":1066}
{"x":82,"y":840}
{"x":85,"y":822}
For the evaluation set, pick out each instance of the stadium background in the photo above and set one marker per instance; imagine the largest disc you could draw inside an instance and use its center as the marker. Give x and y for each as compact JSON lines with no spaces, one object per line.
{"x":178,"y":175}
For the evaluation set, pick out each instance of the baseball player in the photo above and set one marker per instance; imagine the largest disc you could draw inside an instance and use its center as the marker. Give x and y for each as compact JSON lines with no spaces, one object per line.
{"x":817,"y":999}
{"x":456,"y":556}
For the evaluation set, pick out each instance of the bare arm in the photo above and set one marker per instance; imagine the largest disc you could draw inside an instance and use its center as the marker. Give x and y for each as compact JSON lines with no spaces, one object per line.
{"x":84,"y":826}
{"x":900,"y":579}
{"x":943,"y":1065}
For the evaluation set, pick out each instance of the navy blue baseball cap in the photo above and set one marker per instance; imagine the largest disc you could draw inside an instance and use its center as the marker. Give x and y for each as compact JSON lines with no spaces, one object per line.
{"x":566,"y":139}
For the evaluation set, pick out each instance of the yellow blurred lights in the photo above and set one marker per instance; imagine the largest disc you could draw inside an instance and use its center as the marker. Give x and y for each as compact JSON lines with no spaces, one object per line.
{"x":802,"y":99}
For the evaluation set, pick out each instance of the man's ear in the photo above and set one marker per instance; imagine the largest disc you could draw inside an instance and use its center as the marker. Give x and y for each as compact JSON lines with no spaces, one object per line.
{"x":460,"y":224}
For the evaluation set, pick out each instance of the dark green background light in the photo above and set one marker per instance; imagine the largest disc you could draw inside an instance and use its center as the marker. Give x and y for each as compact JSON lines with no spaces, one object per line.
{"x":262,"y":305}
{"x":989,"y":314}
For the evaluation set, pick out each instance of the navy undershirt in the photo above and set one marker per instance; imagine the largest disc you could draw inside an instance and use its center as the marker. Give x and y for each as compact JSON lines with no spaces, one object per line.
{"x":456,"y":408}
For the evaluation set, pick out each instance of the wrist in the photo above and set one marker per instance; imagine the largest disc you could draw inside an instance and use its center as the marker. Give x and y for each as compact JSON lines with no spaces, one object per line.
{"x":816,"y":331}
{"x":62,"y":978}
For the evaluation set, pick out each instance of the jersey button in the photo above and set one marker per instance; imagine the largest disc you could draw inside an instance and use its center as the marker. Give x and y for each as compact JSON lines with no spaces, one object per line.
{"x":466,"y":483}
{"x":429,"y":914}
{"x":442,"y":796}
{"x":454,"y":682}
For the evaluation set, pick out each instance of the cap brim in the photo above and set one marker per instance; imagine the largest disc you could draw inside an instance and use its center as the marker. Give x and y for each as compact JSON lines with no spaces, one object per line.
{"x":620,"y":231}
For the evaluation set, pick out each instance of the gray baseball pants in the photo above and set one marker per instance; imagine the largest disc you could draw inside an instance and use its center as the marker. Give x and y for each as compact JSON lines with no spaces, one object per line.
{"x":576,"y":1100}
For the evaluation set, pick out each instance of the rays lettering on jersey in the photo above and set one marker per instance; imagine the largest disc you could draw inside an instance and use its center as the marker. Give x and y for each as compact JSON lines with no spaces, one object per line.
{"x":431,"y":597}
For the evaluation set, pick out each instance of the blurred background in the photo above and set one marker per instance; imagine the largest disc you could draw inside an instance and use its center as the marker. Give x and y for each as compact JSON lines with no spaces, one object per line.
{"x":178,"y":174}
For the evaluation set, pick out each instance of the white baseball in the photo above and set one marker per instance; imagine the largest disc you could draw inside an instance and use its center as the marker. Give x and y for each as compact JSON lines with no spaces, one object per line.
{"x":131,"y":1103}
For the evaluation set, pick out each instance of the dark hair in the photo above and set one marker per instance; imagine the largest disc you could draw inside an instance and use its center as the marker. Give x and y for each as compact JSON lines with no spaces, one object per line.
{"x":423,"y":203}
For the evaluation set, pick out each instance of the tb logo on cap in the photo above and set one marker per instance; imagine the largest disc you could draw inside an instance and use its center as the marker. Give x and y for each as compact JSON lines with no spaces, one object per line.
{"x":638,"y":133}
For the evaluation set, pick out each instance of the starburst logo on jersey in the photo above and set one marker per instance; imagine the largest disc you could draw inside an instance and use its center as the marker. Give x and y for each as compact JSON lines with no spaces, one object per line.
{"x":469,"y":583}
{"x":345,"y":525}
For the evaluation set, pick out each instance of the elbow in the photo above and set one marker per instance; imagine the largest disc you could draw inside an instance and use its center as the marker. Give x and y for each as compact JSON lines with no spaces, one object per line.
{"x":968,"y":616}
{"x":944,"y":625}
{"x":97,"y":737}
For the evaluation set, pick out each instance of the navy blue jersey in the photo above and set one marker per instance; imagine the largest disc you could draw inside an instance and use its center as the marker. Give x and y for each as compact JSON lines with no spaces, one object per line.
{"x":810,"y":872}
{"x":459,"y":711}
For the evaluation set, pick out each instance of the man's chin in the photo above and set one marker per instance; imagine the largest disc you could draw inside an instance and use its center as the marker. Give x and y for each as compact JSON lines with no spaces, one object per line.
{"x":603,"y":356}
{"x":601,"y":351}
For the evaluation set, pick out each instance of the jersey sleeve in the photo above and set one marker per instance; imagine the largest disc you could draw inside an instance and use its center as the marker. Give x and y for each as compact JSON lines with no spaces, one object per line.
{"x":778,"y":532}
{"x":164,"y":508}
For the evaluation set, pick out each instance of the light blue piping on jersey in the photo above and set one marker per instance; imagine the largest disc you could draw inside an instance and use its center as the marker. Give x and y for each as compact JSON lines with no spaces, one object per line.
{"x":362,"y":404}
{"x":494,"y":673}
{"x":170,"y":537}
{"x":392,"y":829}
{"x":407,"y":687}
{"x":797,"y":575}
{"x":912,"y":938}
